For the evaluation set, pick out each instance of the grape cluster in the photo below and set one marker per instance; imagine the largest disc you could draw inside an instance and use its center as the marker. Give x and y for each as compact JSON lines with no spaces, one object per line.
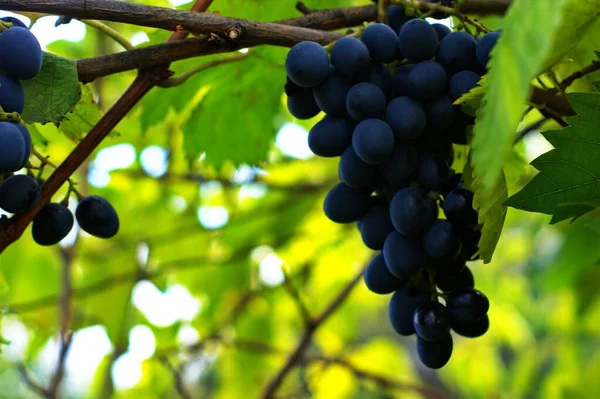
{"x":21,"y":58}
{"x":388,"y":99}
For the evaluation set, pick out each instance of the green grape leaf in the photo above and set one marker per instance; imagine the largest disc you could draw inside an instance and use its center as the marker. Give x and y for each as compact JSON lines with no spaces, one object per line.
{"x":523,"y":51}
{"x":53,"y":92}
{"x":569,"y":179}
{"x":490,"y":207}
{"x":83,"y":117}
{"x":470,"y":102}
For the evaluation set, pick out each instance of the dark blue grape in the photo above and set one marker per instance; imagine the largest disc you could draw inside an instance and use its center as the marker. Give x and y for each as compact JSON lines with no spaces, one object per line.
{"x":28,"y":144}
{"x":15,"y":21}
{"x":435,"y":142}
{"x":447,"y":267}
{"x":12,"y":147}
{"x":401,"y":84}
{"x":471,"y":330}
{"x":12,"y":96}
{"x":373,"y":141}
{"x":484,"y":47}
{"x":401,"y":166}
{"x":462,"y":83}
{"x":418,"y":40}
{"x":350,"y":55}
{"x":330,"y":95}
{"x":19,"y":193}
{"x":457,"y":53}
{"x":382,"y":42}
{"x":302,"y":104}
{"x":397,"y":17}
{"x":307,"y":64}
{"x":412,"y":211}
{"x":441,"y":241}
{"x":455,"y":182}
{"x":377,"y":74}
{"x":96,"y":216}
{"x":467,"y":305}
{"x":330,"y":136}
{"x":450,"y":282}
{"x":441,"y":114}
{"x":364,"y":101}
{"x":20,"y":53}
{"x":52,"y":224}
{"x":458,"y":208}
{"x":345,"y":204}
{"x":441,"y":30}
{"x":435,"y":355}
{"x":406,"y":117}
{"x":376,"y":226}
{"x":433,"y":172}
{"x":428,"y":80}
{"x":403,"y":255}
{"x":431,"y":321}
{"x":378,"y":278}
{"x":355,"y":172}
{"x":437,"y":14}
{"x":402,"y":307}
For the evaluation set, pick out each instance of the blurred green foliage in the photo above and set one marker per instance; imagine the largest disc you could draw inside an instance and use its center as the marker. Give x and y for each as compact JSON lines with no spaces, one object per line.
{"x":543,"y":282}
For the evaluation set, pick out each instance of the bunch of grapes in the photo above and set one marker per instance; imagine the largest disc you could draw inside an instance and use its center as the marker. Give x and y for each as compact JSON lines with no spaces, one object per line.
{"x":21,"y":58}
{"x":388,"y":99}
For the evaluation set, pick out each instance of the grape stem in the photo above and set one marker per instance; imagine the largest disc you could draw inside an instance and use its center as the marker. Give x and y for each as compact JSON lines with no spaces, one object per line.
{"x":438,"y":7}
{"x":45,"y":160}
{"x":382,"y":10}
{"x":110,"y":32}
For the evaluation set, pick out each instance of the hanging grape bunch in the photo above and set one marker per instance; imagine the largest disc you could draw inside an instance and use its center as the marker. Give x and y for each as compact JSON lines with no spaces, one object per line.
{"x":21,"y":59}
{"x":390,"y":118}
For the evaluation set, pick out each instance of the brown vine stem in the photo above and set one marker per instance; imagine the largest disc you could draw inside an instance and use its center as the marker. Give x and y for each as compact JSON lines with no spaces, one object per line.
{"x":296,"y":356}
{"x":382,"y":10}
{"x":485,"y":7}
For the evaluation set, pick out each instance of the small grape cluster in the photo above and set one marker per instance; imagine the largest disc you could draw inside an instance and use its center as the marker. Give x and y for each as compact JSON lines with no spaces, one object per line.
{"x":21,"y":58}
{"x":390,"y":117}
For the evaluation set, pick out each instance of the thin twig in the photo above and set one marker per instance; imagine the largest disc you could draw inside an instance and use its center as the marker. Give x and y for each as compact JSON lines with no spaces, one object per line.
{"x":34,"y":386}
{"x":568,"y":81}
{"x":439,"y":7}
{"x":181,"y":79}
{"x":177,"y":379}
{"x":382,"y":10}
{"x":303,"y":8}
{"x":293,"y":291}
{"x":532,"y":127}
{"x":110,"y":32}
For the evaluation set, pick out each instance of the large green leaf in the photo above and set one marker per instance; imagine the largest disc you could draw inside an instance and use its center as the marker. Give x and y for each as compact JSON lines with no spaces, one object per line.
{"x":491,"y":210}
{"x":569,"y":178}
{"x":536,"y":34}
{"x":83,"y":117}
{"x":53,"y":92}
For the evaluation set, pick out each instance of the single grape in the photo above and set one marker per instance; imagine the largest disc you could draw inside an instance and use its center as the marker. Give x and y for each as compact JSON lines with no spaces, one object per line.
{"x":428,"y":80}
{"x":376,"y":226}
{"x":15,"y":21}
{"x":302,"y":104}
{"x":373,"y":141}
{"x":378,"y":278}
{"x":20,"y":53}
{"x":397,"y":17}
{"x":456,"y":52}
{"x":484,"y":47}
{"x":364,"y":101}
{"x":441,"y":30}
{"x":433,"y":172}
{"x":52,"y":224}
{"x":441,"y":241}
{"x":412,"y":211}
{"x":307,"y":64}
{"x":330,"y":95}
{"x":458,"y":208}
{"x":401,"y":166}
{"x":330,"y":136}
{"x":97,"y":217}
{"x":403,"y":255}
{"x":418,"y":40}
{"x":12,"y":96}
{"x":350,"y":55}
{"x":450,"y":282}
{"x":28,"y":144}
{"x":462,"y":83}
{"x":471,"y":330}
{"x":12,"y":147}
{"x":402,"y":307}
{"x":401,"y":84}
{"x":467,"y":305}
{"x":353,"y":171}
{"x":431,"y":321}
{"x":19,"y":193}
{"x":406,"y":117}
{"x":437,"y":14}
{"x":382,"y":42}
{"x":377,"y":74}
{"x":435,"y":355}
{"x":345,"y":204}
{"x":441,"y":114}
